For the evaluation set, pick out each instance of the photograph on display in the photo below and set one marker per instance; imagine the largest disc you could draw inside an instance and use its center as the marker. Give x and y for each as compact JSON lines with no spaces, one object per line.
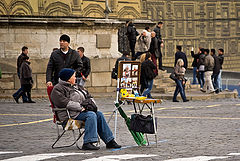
{"x":123,"y":83}
{"x":129,"y":83}
{"x":134,"y":70}
{"x":126,"y":70}
{"x":134,"y":82}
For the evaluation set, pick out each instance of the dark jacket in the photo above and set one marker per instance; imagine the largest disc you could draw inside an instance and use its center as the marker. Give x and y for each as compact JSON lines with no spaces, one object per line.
{"x":157,"y":30}
{"x":195,"y":58}
{"x":201,"y":60}
{"x":19,"y":63}
{"x":26,"y":73}
{"x":154,"y":47}
{"x":221,"y":59}
{"x":86,"y":66}
{"x":216,"y":68}
{"x":181,"y":55}
{"x":59,"y":60}
{"x":147,"y":71}
{"x":132,"y":32}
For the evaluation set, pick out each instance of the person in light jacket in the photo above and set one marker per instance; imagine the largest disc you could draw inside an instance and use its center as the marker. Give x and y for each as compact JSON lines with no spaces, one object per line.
{"x":180,"y":81}
{"x":66,"y":95}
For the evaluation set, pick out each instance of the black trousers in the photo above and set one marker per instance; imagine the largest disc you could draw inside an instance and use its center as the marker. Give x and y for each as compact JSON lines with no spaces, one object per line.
{"x":132,"y":48}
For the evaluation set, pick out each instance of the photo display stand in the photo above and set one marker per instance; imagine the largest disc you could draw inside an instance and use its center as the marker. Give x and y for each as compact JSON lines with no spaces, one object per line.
{"x":129,"y":75}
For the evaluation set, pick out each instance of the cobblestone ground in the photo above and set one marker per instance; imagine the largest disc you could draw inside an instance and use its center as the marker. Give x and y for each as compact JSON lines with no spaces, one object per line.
{"x":199,"y":128}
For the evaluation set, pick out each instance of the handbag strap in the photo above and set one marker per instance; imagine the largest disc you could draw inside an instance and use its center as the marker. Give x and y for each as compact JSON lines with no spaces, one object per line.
{"x":82,"y":93}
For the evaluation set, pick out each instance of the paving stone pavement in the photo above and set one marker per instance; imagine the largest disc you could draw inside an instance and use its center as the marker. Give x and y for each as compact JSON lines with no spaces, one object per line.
{"x":191,"y":129}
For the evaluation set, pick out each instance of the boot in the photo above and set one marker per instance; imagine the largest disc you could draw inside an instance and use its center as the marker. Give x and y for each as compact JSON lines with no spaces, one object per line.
{"x":89,"y":146}
{"x":29,"y":98}
{"x":112,"y":145}
{"x":18,"y":96}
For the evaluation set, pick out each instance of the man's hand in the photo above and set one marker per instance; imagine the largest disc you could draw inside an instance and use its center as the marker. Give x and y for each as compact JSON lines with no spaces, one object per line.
{"x":49,"y":84}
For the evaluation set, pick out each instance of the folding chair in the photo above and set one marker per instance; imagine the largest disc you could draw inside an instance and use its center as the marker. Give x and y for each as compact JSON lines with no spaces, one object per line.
{"x":70,"y":125}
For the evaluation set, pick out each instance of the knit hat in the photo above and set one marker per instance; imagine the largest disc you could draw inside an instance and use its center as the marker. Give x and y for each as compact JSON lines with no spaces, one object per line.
{"x":65,"y":38}
{"x":66,"y":73}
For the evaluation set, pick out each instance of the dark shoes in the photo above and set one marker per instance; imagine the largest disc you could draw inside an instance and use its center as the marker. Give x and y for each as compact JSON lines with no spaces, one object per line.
{"x":16,"y":99}
{"x":161,"y":69}
{"x":202,"y":90}
{"x":90,"y":146}
{"x":185,"y":100}
{"x":31,"y":101}
{"x":175,"y":101}
{"x":112,"y":145}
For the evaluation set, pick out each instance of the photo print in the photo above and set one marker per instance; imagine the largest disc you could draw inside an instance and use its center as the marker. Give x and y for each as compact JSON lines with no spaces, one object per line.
{"x":135,"y":70}
{"x":134,"y":82}
{"x":123,"y":83}
{"x":126,"y":70}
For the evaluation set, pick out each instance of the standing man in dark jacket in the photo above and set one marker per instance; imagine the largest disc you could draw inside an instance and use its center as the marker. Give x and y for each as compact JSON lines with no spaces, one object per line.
{"x":154,"y":50}
{"x":221,"y":59}
{"x":216,"y":70}
{"x":19,"y":63}
{"x":65,"y":57}
{"x":132,"y":34}
{"x":180,"y":55}
{"x":194,"y":64}
{"x":81,"y":77}
{"x":157,"y":30}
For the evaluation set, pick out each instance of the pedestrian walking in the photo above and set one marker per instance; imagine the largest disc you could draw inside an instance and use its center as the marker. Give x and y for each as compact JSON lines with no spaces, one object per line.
{"x":132,"y":34}
{"x":82,"y":77}
{"x":157,"y":30}
{"x":66,"y":95}
{"x":181,"y":55}
{"x":26,"y":79}
{"x":19,"y":63}
{"x":194,"y":64}
{"x":180,"y":81}
{"x":200,"y":68}
{"x":221,"y":59}
{"x":208,"y":65}
{"x":216,"y":71}
{"x":147,"y":75}
{"x":65,"y":57}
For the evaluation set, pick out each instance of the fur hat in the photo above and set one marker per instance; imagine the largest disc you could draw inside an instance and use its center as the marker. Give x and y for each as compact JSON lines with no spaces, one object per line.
{"x":65,"y":38}
{"x":66,"y":73}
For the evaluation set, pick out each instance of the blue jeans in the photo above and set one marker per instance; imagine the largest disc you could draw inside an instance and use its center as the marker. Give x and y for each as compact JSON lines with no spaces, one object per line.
{"x":179,"y":88}
{"x":147,"y":92}
{"x":220,"y":80}
{"x":201,"y":78}
{"x":194,"y":75}
{"x":215,"y":81}
{"x":95,"y":124}
{"x":24,"y":97}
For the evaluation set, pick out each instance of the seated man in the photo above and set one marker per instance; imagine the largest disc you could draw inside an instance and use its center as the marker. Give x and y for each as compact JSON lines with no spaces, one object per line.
{"x":66,"y":95}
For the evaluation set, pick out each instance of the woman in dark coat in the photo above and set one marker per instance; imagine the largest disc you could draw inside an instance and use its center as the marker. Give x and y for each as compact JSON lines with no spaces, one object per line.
{"x":26,"y":80}
{"x":147,"y":75}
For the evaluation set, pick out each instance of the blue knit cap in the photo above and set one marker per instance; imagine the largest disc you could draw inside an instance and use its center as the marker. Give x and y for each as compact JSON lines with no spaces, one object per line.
{"x":66,"y":73}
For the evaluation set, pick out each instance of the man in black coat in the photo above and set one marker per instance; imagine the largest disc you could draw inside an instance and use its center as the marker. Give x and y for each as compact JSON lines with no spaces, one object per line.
{"x":157,"y":30}
{"x":180,"y":55}
{"x":132,"y":34}
{"x":216,"y":70}
{"x":65,"y":57}
{"x":82,"y":77}
{"x":19,"y":63}
{"x":221,"y":59}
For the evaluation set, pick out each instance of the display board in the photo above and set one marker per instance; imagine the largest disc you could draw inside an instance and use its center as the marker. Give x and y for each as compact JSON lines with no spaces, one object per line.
{"x":129,"y":74}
